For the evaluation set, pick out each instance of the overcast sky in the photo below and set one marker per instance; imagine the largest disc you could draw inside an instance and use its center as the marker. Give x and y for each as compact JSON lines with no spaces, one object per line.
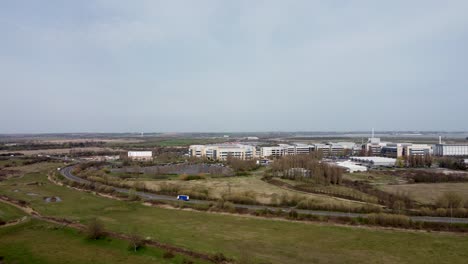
{"x":178,"y":66}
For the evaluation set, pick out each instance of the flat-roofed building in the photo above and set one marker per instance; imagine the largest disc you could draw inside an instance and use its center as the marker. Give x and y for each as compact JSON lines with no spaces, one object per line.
{"x":375,"y":161}
{"x":274,"y":151}
{"x":351,"y":166}
{"x":223,"y":151}
{"x":323,"y":148}
{"x":392,"y":150}
{"x":140,"y":155}
{"x":417,"y":150}
{"x":286,"y":149}
{"x":455,"y":150}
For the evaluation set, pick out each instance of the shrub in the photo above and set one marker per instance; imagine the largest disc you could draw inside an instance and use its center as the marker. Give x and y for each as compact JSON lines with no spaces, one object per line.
{"x":168,"y":255}
{"x":169,"y":188}
{"x":135,"y":242}
{"x":132,"y":195}
{"x":389,"y":220}
{"x":247,"y":197}
{"x":289,"y":200}
{"x":187,"y":261}
{"x":450,"y":200}
{"x":293,"y":214}
{"x":95,"y":229}
{"x":186,"y":177}
{"x":219,"y":258}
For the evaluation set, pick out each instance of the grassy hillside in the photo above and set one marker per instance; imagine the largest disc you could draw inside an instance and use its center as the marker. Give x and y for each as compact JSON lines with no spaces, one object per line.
{"x":9,"y":213}
{"x":39,"y":242}
{"x":264,"y":240}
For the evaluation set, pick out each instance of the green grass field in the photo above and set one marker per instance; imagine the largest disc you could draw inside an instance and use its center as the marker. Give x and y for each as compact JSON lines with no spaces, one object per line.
{"x":9,"y":213}
{"x":264,"y":240}
{"x":428,"y":193}
{"x":39,"y":242}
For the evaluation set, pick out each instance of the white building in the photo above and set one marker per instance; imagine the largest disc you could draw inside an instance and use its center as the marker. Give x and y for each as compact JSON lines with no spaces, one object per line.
{"x":451,"y":150}
{"x":374,"y":146}
{"x":417,"y":150}
{"x":223,"y":151}
{"x":285,"y":149}
{"x":375,"y":161}
{"x":274,"y":151}
{"x":351,"y":166}
{"x":140,"y":155}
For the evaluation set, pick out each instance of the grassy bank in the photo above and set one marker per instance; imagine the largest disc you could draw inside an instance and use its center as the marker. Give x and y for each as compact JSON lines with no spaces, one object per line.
{"x":40,"y":242}
{"x":9,"y":213}
{"x":241,"y":237}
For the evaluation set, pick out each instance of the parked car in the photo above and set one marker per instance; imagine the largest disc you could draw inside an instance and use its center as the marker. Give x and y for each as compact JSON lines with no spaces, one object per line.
{"x":183,"y":197}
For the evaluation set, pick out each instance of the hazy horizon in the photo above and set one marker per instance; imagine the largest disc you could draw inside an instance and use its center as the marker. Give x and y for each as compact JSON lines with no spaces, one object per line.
{"x":186,"y":66}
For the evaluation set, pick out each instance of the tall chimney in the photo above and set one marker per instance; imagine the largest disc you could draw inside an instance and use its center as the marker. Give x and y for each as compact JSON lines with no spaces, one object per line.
{"x":440,"y":139}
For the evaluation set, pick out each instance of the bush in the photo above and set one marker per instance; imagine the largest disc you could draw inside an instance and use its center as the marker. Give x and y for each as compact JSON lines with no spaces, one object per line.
{"x":168,"y":255}
{"x":186,"y":177}
{"x":389,"y":220}
{"x":95,"y":229}
{"x":169,"y":188}
{"x":289,"y":200}
{"x":132,"y":195}
{"x":135,"y":242}
{"x":247,"y":197}
{"x":293,"y":214}
{"x":219,"y":258}
{"x":450,"y":200}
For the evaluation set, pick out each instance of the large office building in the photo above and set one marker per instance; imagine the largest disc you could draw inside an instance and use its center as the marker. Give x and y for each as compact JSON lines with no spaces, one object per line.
{"x":396,"y":150}
{"x":417,"y":150}
{"x":374,"y":146}
{"x":274,"y":151}
{"x":285,"y":149}
{"x":223,"y":151}
{"x":140,"y":155}
{"x":329,"y":149}
{"x":455,"y":150}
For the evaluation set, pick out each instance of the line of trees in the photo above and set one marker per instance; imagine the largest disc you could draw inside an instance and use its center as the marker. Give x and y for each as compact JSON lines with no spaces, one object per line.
{"x":239,"y":165}
{"x":306,"y":168}
{"x":451,"y":163}
{"x":418,"y":161}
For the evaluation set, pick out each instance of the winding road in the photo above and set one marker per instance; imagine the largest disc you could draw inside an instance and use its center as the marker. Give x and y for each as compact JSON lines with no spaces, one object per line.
{"x":67,"y":173}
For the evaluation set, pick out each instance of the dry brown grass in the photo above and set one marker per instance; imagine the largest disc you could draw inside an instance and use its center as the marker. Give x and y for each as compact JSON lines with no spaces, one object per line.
{"x":427,"y":193}
{"x":264,"y":192}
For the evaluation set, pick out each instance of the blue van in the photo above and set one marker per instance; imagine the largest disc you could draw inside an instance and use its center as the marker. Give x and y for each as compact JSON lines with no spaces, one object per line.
{"x":183,"y":197}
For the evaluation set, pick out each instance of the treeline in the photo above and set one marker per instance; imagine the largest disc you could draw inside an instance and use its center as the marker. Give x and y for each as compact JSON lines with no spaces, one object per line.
{"x":36,"y":146}
{"x":418,"y":161}
{"x":306,"y":168}
{"x":449,"y":204}
{"x":87,"y":153}
{"x":436,"y":177}
{"x":400,"y":201}
{"x":241,"y":166}
{"x":451,"y":163}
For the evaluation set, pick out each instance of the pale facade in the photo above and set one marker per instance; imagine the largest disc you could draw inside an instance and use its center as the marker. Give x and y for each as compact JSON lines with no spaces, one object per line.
{"x":451,"y":150}
{"x":140,"y":155}
{"x":223,"y":151}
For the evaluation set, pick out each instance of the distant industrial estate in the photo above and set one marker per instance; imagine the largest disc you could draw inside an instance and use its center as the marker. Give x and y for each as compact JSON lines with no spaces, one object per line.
{"x":374,"y":147}
{"x":372,"y":153}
